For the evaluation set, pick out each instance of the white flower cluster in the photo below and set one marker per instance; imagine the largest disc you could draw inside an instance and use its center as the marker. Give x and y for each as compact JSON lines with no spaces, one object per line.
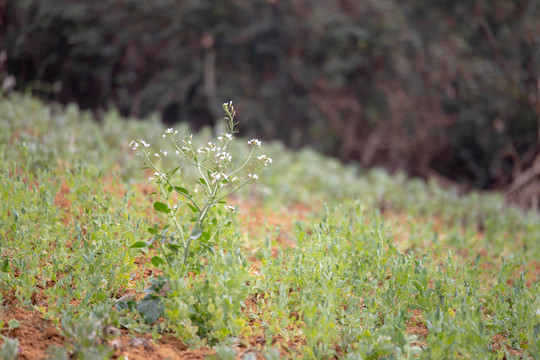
{"x":160,"y":154}
{"x":255,"y":142}
{"x":209,"y":149}
{"x":170,"y":131}
{"x":135,"y":144}
{"x":157,"y":174}
{"x":265,"y":159}
{"x":217,"y":176}
{"x":228,"y":136}
{"x":223,"y":156}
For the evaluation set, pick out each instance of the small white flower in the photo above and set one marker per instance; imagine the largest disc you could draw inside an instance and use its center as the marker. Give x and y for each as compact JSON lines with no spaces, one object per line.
{"x":156,"y":155}
{"x":150,"y":178}
{"x":254,"y":142}
{"x":229,"y":136}
{"x":234,"y":179}
{"x":265,"y":159}
{"x":145,"y":144}
{"x":164,"y":136}
{"x":220,"y":138}
{"x":253,"y":176}
{"x":218,"y":176}
{"x":178,"y":152}
{"x":160,"y":174}
{"x":169,"y":131}
{"x":164,"y":153}
{"x":230,"y":208}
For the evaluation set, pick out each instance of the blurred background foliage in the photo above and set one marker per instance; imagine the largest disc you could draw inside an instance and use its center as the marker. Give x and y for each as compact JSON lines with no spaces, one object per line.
{"x":445,"y":89}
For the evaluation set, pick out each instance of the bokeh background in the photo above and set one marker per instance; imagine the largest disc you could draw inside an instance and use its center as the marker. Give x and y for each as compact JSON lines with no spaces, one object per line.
{"x":439,"y":89}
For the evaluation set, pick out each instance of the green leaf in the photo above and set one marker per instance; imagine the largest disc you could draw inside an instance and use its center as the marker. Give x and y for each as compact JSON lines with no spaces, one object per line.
{"x":174,"y":247}
{"x":181,"y":190}
{"x":156,"y":261}
{"x":161,"y":207}
{"x":151,"y":307}
{"x":138,"y":245}
{"x":196,"y":233}
{"x":152,"y":230}
{"x":13,"y":323}
{"x":125,"y":305}
{"x":175,"y":170}
{"x":193,"y":208}
{"x":206,"y":236}
{"x":4,"y":265}
{"x":418,"y":287}
{"x":203,"y":182}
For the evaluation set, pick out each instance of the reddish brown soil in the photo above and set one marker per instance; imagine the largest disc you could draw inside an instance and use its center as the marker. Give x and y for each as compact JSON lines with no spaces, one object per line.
{"x":168,"y":347}
{"x":500,"y":341}
{"x":35,"y":334}
{"x":416,"y":326}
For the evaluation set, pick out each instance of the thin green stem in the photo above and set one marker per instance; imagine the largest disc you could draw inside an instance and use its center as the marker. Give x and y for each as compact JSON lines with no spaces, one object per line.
{"x":169,"y":183}
{"x":200,"y":219}
{"x":178,"y":227}
{"x":245,"y":163}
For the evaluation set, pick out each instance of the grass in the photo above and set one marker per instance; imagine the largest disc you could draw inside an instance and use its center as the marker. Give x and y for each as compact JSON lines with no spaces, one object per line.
{"x":322,"y":260}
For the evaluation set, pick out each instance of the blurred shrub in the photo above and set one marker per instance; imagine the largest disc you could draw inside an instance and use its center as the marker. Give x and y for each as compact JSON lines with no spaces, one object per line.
{"x":447,"y":87}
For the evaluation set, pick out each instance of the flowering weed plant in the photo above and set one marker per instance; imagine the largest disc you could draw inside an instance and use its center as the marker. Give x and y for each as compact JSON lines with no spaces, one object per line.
{"x":190,"y":231}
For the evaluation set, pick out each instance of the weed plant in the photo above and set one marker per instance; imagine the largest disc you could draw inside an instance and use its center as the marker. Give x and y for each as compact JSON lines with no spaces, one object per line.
{"x":189,"y":241}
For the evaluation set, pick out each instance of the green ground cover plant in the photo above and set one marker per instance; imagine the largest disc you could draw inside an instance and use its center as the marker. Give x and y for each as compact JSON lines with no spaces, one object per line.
{"x":375,"y":267}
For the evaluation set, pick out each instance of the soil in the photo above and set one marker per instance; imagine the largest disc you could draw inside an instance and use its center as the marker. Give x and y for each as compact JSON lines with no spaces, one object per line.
{"x":500,"y":341}
{"x":417,"y":326}
{"x":35,"y":334}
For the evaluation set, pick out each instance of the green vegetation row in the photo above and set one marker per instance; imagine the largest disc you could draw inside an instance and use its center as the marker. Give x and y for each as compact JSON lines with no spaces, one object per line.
{"x":74,"y":208}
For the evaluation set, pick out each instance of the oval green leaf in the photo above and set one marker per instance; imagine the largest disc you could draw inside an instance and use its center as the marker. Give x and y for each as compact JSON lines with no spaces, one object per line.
{"x":161,"y":207}
{"x":138,"y":245}
{"x":156,"y":261}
